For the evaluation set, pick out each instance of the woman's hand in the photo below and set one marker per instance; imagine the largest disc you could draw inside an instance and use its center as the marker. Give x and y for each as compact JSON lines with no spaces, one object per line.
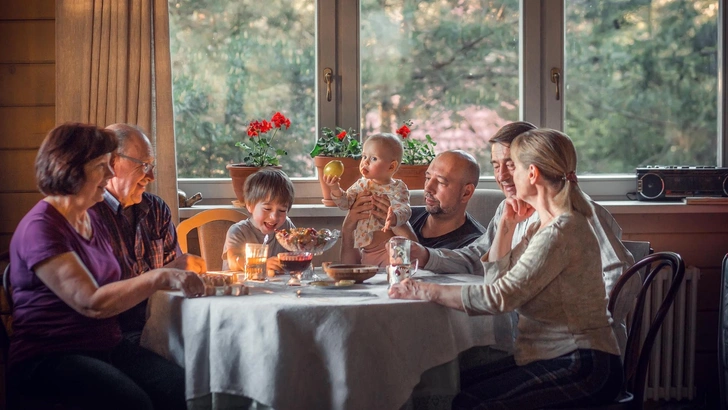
{"x":411,"y":290}
{"x":448,"y":296}
{"x":516,"y":210}
{"x":188,"y":282}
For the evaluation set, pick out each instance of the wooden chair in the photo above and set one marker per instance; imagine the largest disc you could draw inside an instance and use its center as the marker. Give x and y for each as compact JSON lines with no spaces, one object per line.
{"x":638,"y":352}
{"x":723,"y":336}
{"x":212,"y":226}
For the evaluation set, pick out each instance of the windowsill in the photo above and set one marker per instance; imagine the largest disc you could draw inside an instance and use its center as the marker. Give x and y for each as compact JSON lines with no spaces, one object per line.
{"x":614,"y":207}
{"x":608,"y":190}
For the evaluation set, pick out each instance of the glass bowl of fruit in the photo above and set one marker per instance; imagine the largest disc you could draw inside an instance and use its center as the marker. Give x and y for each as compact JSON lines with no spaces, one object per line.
{"x":316,"y":241}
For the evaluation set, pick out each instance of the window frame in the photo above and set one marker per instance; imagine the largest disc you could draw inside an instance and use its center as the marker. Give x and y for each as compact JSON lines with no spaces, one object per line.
{"x":541,"y":48}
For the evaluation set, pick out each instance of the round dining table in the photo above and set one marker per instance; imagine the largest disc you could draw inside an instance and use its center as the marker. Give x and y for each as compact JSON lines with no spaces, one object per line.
{"x":308,"y":347}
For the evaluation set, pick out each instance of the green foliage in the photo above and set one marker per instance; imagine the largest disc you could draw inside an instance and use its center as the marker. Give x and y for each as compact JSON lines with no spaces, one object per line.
{"x":342,"y":143}
{"x":418,"y":152}
{"x":640,"y":77}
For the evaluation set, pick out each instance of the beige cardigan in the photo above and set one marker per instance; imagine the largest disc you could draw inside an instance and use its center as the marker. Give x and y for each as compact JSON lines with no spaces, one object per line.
{"x":553,"y":279}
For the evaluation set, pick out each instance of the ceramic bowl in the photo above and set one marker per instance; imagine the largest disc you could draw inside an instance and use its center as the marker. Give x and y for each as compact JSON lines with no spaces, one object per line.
{"x":357,"y":273}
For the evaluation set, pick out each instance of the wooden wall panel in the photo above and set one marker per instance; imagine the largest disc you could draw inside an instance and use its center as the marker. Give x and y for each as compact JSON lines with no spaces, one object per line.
{"x":13,"y":207}
{"x":704,"y":250}
{"x":18,"y":171}
{"x":28,"y":41}
{"x":5,"y":241}
{"x":27,"y":84}
{"x":25,"y":127}
{"x":671,"y":223}
{"x":27,"y":9}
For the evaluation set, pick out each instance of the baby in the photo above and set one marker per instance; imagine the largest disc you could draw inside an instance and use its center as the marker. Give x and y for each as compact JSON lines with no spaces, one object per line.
{"x":381,"y":157}
{"x":268,"y":198}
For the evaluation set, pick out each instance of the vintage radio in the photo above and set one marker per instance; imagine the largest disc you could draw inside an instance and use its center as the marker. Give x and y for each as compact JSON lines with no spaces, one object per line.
{"x":677,"y":182}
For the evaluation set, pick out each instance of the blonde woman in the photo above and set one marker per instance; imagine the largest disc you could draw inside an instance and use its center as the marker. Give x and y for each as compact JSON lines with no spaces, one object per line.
{"x":565,"y":352}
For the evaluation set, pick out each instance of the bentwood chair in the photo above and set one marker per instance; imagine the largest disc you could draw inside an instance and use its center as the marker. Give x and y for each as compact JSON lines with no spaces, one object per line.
{"x":639,"y":348}
{"x":212,"y":226}
{"x":723,"y":336}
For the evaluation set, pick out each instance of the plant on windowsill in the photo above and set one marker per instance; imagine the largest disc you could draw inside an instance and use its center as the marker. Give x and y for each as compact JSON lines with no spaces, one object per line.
{"x":416,"y":157}
{"x":258,"y":151}
{"x":337,"y":145}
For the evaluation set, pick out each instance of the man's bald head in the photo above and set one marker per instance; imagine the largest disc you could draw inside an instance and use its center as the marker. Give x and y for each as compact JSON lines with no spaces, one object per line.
{"x":465,"y":164}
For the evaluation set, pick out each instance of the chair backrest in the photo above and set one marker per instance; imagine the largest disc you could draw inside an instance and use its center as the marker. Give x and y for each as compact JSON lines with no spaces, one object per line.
{"x":637,"y":354}
{"x":723,"y":335}
{"x":212,"y":226}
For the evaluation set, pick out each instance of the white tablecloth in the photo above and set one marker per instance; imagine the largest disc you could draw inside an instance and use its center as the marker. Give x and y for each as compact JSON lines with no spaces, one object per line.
{"x":322,"y":350}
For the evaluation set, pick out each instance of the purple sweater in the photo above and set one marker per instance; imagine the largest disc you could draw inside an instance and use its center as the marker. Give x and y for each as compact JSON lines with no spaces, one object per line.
{"x":42,"y":322}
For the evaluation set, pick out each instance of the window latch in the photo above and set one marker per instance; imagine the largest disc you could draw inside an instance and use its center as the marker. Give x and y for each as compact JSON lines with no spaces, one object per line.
{"x":556,"y":78}
{"x":328,"y":79}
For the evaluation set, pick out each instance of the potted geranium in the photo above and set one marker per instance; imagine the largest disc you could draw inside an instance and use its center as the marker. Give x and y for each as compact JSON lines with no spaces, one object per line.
{"x":416,"y":157}
{"x":337,"y":145}
{"x":258,"y":151}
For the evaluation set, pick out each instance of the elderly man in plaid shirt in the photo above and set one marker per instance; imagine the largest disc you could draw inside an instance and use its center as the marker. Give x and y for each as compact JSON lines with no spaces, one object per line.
{"x":142,"y":233}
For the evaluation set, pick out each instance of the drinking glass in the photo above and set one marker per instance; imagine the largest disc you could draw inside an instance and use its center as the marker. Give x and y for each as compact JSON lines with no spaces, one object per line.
{"x":297,"y":264}
{"x":256,"y":256}
{"x":400,"y":265}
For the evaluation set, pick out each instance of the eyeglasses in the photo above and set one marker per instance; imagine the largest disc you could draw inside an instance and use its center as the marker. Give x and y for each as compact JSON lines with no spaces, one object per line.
{"x":146,"y":167}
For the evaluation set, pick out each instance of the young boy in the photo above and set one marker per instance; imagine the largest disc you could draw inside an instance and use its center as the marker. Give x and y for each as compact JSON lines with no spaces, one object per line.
{"x":268,"y":198}
{"x":381,"y":157}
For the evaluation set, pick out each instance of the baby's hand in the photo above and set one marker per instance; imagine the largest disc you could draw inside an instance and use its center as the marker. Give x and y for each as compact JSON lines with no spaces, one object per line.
{"x":390,"y":221}
{"x":332,"y":181}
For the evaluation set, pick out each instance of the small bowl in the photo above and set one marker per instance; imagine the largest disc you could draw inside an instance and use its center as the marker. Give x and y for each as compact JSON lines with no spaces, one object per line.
{"x":357,"y":273}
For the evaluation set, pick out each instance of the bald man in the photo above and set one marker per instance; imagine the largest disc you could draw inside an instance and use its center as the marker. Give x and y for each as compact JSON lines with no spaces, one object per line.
{"x":443,"y":222}
{"x":140,"y":224}
{"x":450,"y":182}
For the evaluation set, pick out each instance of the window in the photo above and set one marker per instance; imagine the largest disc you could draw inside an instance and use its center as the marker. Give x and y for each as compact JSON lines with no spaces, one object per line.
{"x":638,"y":79}
{"x":234,"y":62}
{"x":450,"y":67}
{"x":641,"y":83}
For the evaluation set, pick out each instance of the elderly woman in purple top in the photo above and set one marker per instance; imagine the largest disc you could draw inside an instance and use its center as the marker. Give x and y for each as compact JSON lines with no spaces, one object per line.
{"x":66,"y":344}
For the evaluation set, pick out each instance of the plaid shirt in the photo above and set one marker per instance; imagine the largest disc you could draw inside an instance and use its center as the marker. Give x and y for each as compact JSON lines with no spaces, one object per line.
{"x":151,"y":244}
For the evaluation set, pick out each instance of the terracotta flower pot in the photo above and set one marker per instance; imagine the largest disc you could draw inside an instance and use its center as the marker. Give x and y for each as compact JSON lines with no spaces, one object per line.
{"x":351,"y":174}
{"x":239,"y":173}
{"x":412,"y":175}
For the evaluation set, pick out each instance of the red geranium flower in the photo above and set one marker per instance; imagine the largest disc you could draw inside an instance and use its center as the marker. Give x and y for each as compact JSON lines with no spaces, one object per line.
{"x":341,"y":135}
{"x":404,"y":131}
{"x":259,"y":152}
{"x":279,"y":120}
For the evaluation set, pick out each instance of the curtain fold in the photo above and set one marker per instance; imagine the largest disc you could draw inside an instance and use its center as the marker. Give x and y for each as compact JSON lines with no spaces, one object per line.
{"x":113,"y":65}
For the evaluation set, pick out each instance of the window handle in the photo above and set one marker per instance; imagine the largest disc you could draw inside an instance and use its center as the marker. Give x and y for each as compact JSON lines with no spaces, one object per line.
{"x":556,"y":78}
{"x":328,"y":79}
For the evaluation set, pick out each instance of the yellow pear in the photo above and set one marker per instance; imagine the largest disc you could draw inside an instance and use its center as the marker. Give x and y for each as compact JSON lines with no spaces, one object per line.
{"x":335,"y":168}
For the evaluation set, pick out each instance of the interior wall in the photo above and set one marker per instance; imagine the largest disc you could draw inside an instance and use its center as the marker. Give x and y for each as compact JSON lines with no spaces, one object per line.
{"x":27,"y":103}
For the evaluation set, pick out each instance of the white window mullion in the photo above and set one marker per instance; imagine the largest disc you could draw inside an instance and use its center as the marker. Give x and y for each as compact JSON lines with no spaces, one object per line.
{"x":326,"y":58}
{"x":348,"y":60}
{"x":542,"y":48}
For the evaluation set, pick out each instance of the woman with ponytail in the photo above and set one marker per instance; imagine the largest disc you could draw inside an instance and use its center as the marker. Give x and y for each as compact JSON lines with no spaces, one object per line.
{"x":566,"y":353}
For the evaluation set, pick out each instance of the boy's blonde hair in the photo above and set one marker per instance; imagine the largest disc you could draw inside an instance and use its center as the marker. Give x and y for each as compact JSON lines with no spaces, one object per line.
{"x":269,"y":184}
{"x":392,"y":144}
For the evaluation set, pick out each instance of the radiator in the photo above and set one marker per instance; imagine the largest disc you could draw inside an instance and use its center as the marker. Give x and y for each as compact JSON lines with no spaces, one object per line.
{"x":671,"y":373}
